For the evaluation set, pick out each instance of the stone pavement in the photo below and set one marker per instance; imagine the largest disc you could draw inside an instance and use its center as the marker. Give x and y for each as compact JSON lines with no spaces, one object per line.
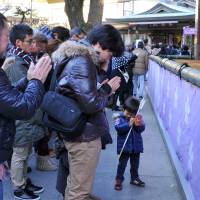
{"x":155,"y":169}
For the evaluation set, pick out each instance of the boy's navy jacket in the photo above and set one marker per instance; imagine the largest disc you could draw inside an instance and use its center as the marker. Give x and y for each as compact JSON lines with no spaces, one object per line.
{"x":135,"y":141}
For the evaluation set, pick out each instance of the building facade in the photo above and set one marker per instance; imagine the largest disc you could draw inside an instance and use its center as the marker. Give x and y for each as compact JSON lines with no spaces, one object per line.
{"x":164,"y":22}
{"x":53,"y":10}
{"x":157,"y":20}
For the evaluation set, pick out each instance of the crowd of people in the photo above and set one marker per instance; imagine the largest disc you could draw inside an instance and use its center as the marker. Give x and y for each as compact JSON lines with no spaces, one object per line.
{"x":97,"y":73}
{"x":166,"y":49}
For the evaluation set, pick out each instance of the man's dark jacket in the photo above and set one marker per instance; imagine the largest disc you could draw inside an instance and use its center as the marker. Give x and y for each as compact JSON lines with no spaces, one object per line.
{"x":19,"y":102}
{"x":79,"y":81}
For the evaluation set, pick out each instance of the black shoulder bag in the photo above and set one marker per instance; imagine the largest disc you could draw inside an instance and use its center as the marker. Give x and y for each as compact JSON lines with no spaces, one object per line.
{"x":62,"y":113}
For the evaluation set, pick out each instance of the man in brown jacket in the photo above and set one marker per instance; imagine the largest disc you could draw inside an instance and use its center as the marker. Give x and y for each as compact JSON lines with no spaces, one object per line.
{"x":141,"y":67}
{"x":78,"y":80}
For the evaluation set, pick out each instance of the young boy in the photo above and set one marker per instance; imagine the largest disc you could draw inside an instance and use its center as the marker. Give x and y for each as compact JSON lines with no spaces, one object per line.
{"x":134,"y":144}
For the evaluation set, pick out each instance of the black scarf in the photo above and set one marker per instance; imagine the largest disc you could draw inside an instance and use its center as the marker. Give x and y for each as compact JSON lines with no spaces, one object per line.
{"x":25,"y":56}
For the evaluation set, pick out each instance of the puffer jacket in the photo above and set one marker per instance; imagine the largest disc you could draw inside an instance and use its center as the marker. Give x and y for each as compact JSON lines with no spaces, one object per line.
{"x":141,"y":63}
{"x":134,"y":143}
{"x":79,"y":81}
{"x":27,"y":131}
{"x":15,"y":104}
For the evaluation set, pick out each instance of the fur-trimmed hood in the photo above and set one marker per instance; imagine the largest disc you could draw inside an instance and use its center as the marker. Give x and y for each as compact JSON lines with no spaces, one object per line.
{"x":72,"y":48}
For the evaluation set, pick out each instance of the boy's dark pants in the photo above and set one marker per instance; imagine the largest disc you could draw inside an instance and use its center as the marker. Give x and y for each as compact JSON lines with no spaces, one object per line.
{"x":134,"y":163}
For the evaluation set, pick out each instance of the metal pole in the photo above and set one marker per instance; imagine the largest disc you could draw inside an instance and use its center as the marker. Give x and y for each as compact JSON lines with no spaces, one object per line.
{"x":31,"y":11}
{"x":197,"y":36}
{"x":133,"y":7}
{"x":123,"y":9}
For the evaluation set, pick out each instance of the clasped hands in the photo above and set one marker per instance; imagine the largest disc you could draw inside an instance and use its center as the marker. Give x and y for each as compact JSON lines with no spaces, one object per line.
{"x":137,"y":120}
{"x":40,"y":70}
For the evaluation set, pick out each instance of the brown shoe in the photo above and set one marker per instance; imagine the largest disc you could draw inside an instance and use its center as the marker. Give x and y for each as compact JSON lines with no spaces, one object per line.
{"x":118,"y":185}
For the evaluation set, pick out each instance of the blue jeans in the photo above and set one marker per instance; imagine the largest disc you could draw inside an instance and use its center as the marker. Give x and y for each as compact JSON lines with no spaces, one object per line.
{"x":1,"y":190}
{"x":138,"y":85}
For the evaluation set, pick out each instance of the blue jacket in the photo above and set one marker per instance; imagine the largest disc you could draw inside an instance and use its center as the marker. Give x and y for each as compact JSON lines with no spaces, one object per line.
{"x":135,"y":141}
{"x":15,"y":104}
{"x":27,"y":131}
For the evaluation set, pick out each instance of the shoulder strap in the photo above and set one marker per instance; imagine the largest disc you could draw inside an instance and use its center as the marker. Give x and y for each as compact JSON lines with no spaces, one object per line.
{"x":57,"y":70}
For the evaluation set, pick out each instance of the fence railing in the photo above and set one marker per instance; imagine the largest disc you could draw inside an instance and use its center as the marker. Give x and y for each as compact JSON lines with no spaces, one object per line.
{"x":183,"y":70}
{"x":174,"y":91}
{"x":189,"y":57}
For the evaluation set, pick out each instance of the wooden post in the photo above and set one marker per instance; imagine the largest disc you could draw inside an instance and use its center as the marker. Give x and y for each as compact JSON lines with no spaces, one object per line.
{"x":197,"y":36}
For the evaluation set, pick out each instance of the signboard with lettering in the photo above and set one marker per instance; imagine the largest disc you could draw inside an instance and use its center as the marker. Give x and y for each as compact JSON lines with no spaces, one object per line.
{"x":189,"y":31}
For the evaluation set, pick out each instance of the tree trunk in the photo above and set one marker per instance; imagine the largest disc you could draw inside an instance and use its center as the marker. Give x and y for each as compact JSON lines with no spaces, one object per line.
{"x":74,"y":11}
{"x":23,"y":18}
{"x":197,"y":27}
{"x":96,"y":12}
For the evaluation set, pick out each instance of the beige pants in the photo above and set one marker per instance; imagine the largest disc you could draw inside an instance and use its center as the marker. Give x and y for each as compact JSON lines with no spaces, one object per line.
{"x":83,"y":158}
{"x":19,"y":164}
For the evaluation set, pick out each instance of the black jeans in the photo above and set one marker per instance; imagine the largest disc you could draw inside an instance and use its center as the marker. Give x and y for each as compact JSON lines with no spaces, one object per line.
{"x":63,"y":172}
{"x":42,"y":145}
{"x":134,"y":163}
